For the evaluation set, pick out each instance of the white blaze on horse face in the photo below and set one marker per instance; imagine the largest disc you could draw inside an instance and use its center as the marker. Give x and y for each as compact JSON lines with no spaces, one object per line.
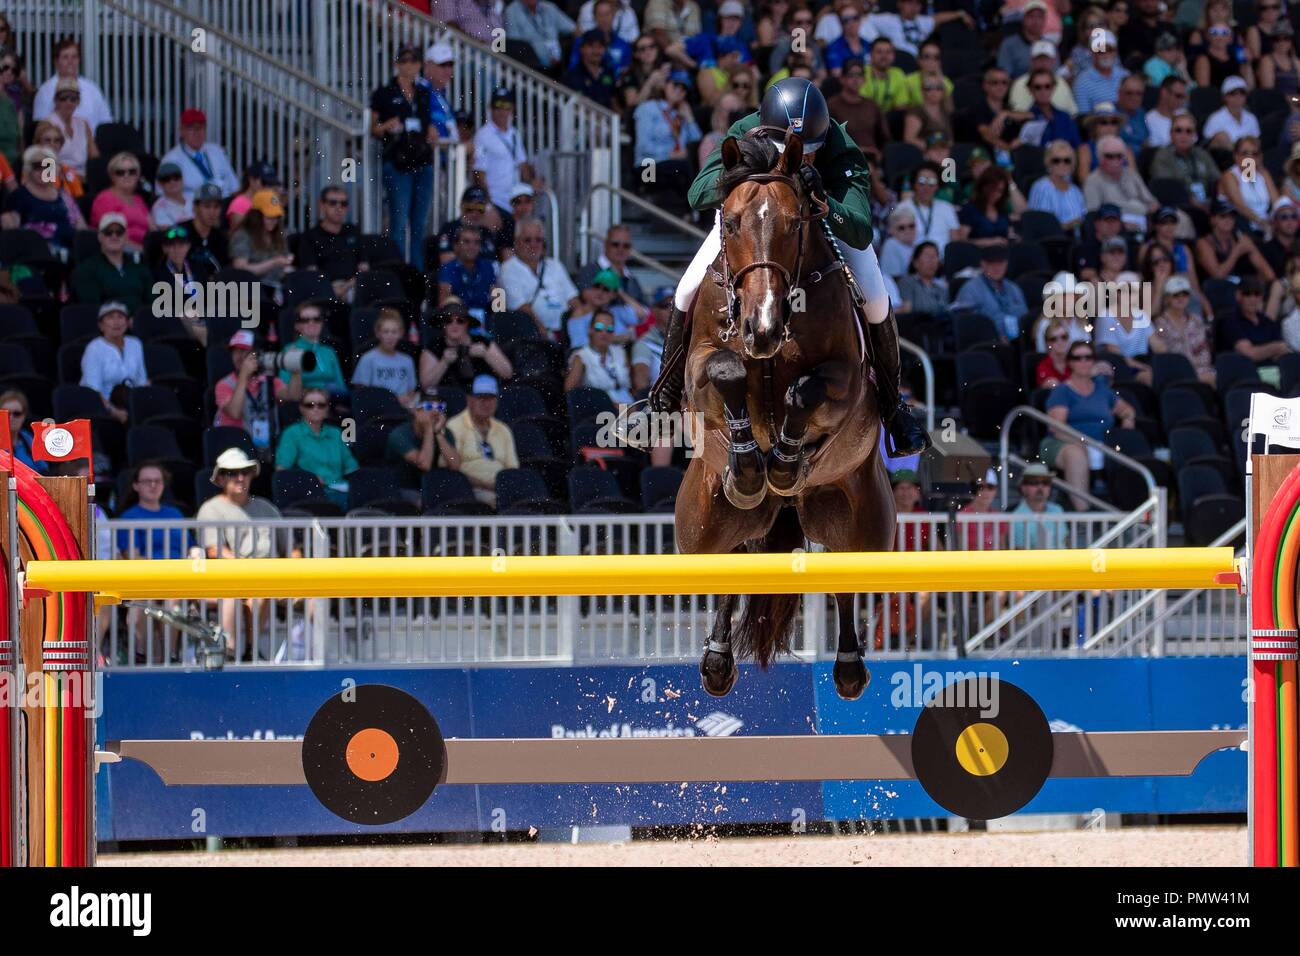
{"x":762,"y":211}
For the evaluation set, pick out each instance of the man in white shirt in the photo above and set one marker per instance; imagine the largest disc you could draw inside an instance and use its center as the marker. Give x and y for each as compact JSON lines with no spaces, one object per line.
{"x":1042,"y":56}
{"x":93,"y":108}
{"x":936,"y":219}
{"x":1232,"y":121}
{"x":626,"y":27}
{"x":535,"y":284}
{"x":200,"y":161}
{"x":1172,"y":101}
{"x":500,"y":160}
{"x":908,"y":27}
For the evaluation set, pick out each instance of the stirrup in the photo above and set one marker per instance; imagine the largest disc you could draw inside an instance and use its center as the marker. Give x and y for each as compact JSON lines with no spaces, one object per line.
{"x":625,"y":425}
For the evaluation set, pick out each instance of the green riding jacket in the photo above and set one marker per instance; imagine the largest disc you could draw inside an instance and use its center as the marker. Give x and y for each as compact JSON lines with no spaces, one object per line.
{"x":844,"y":173}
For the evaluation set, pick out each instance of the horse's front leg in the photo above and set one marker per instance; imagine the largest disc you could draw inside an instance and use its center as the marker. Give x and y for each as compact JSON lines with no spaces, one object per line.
{"x":744,"y":482}
{"x":787,"y":463}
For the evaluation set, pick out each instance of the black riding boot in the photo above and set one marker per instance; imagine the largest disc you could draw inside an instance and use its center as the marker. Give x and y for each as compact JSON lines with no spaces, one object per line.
{"x":666,"y":392}
{"x":906,"y":434}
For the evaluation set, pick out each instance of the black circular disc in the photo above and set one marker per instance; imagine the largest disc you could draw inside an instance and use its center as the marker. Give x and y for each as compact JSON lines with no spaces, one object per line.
{"x":1015,"y":776}
{"x":411,"y":763}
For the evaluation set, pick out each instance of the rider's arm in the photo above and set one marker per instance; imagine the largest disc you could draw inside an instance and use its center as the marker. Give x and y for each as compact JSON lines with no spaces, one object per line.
{"x":847,"y":179}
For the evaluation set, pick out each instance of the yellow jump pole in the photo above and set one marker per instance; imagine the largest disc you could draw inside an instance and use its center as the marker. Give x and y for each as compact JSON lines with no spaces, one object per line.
{"x":811,"y":573}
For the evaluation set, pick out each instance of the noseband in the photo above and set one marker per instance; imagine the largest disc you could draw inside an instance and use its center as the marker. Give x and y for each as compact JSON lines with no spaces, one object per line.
{"x":728,"y":280}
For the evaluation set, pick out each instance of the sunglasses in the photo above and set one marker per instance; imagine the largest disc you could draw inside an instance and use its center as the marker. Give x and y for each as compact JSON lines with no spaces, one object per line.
{"x":1176,"y":295}
{"x":1285,"y":215}
{"x":1057,"y":338}
{"x":457,"y":320}
{"x":175,"y":234}
{"x":620,"y":245}
{"x":1041,"y":87}
{"x":928,"y":56}
{"x":1060,"y":161}
{"x":601,"y":327}
{"x":246,"y":473}
{"x":132,"y":171}
{"x":343,"y":203}
{"x":1185,"y":129}
{"x":7,"y":68}
{"x":1036,"y":482}
{"x":645,"y":47}
{"x":1112,"y":155}
{"x":1082,"y":358}
{"x":408,"y":59}
{"x":518,"y":199}
{"x":1159,"y":262}
{"x":315,"y":404}
{"x":310,"y":317}
{"x":169,"y":179}
{"x":998,"y":82}
{"x":530,"y":239}
{"x":926,"y":181}
{"x":65,"y":97}
{"x":113,"y":231}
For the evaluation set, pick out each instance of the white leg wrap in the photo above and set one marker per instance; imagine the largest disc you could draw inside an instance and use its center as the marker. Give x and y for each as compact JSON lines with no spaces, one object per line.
{"x":694,"y":274}
{"x":866,"y":269}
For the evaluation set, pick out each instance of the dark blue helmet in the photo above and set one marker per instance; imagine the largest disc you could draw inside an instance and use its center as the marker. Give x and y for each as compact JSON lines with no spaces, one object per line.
{"x":794,"y":104}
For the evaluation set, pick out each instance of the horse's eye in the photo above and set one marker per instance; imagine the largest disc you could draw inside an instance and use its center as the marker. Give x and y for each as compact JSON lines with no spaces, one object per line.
{"x":731,"y":224}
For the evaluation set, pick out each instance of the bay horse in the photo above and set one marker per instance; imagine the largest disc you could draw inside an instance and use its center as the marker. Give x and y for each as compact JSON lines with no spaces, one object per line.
{"x":777,"y":370}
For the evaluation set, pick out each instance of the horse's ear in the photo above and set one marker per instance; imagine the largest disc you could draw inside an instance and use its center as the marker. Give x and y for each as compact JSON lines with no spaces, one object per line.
{"x":730,"y":152}
{"x":792,"y":155}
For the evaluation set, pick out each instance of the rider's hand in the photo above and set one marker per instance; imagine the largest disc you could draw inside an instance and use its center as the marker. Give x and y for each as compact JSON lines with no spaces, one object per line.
{"x":812,"y":180}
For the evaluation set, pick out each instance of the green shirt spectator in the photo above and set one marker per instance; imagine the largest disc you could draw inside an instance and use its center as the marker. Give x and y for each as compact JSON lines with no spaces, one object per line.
{"x":328,"y":374}
{"x":111,"y":275}
{"x":316,"y":447}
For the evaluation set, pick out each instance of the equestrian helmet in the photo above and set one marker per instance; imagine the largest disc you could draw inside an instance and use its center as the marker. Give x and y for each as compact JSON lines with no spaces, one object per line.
{"x":796,"y":105}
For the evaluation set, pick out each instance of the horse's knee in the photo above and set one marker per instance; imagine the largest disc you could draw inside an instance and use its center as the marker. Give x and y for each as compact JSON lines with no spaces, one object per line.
{"x":725,"y":369}
{"x":806,"y":394}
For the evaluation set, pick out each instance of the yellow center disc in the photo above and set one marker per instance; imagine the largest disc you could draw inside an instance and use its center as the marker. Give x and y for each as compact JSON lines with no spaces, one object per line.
{"x":982,"y":749}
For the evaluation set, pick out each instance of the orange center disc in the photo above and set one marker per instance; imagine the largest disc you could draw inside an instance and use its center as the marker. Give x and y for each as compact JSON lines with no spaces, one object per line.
{"x":372,"y":754}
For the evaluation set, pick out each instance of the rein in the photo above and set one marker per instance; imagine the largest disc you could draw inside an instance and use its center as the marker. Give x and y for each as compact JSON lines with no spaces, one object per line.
{"x":728,"y":280}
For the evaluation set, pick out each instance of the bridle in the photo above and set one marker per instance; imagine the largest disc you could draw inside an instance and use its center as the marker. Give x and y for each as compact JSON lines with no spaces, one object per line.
{"x":728,"y":280}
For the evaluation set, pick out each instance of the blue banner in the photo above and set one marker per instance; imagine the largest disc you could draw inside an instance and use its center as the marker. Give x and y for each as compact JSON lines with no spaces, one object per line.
{"x":653,"y":700}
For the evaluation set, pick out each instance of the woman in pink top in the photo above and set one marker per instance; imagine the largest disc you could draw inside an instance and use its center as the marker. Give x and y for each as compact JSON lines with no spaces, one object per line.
{"x":121,"y":196}
{"x":257,"y":177}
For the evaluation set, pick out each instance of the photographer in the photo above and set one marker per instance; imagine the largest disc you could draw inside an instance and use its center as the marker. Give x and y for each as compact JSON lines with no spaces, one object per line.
{"x":243,"y":397}
{"x":458,"y":350}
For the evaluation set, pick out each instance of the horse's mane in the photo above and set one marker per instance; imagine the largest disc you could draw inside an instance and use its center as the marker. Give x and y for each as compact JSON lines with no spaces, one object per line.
{"x":758,"y":154}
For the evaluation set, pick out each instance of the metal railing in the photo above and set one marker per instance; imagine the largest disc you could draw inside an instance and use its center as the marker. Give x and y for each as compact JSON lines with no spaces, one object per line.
{"x":349,"y":47}
{"x":601,"y":629}
{"x":153,"y":59}
{"x":593,"y":222}
{"x":1028,"y":411}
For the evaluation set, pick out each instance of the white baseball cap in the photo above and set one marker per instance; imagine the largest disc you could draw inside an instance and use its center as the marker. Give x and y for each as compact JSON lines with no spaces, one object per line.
{"x":1043,"y":48}
{"x":1177,"y":284}
{"x":731,"y":8}
{"x":439,"y":53}
{"x":521,"y":189}
{"x":234,"y":459}
{"x":1232,"y":83}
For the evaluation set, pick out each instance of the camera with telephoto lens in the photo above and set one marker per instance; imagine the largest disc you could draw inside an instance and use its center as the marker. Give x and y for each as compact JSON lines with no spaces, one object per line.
{"x":290,"y":360}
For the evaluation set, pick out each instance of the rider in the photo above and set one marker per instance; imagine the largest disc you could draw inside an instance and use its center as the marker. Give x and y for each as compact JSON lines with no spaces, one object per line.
{"x":795,"y":104}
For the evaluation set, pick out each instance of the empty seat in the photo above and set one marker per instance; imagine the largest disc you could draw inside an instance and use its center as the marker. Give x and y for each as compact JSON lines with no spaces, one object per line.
{"x":659,"y":487}
{"x":292,"y":486}
{"x":524,"y":491}
{"x":373,"y":487}
{"x":594,"y":490}
{"x":447,"y":492}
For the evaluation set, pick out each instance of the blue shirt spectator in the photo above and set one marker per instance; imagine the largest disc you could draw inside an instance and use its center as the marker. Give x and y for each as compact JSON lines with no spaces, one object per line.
{"x":662,"y":127}
{"x":1093,"y":87}
{"x":1059,"y":126}
{"x":472,"y":283}
{"x":1091,"y":413}
{"x":992,"y":295}
{"x":540,"y":24}
{"x":150,"y":486}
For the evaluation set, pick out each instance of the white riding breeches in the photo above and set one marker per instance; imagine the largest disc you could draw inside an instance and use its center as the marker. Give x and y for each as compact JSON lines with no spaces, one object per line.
{"x":866,"y":269}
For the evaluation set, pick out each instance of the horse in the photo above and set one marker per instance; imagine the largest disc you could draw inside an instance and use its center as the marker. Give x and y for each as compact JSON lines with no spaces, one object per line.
{"x":777,"y":375}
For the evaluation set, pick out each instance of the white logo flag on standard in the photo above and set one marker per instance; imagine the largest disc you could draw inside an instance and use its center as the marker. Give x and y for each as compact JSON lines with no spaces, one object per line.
{"x":1277,"y":419}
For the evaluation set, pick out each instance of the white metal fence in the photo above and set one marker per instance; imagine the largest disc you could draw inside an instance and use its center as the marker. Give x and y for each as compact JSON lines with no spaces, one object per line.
{"x":602,"y":628}
{"x":289,"y":82}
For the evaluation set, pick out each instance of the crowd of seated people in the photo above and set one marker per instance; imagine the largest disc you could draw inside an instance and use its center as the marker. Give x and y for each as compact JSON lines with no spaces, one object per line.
{"x":1021,"y":156}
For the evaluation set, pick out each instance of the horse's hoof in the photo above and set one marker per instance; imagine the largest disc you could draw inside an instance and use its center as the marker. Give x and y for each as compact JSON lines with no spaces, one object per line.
{"x":797,"y":482}
{"x":718,"y":673}
{"x":738,"y":498}
{"x":851,"y":678}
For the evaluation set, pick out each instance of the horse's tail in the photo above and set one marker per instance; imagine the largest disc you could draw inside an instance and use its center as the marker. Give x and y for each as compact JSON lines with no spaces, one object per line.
{"x":767,"y":620}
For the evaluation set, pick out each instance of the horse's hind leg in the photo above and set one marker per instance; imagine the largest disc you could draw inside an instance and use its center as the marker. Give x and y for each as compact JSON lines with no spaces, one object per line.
{"x":787,"y":464}
{"x":851,"y":677}
{"x":744,"y":483}
{"x":718,"y":667}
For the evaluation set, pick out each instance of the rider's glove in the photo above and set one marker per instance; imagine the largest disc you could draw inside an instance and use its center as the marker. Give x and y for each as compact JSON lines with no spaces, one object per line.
{"x":812,"y":180}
